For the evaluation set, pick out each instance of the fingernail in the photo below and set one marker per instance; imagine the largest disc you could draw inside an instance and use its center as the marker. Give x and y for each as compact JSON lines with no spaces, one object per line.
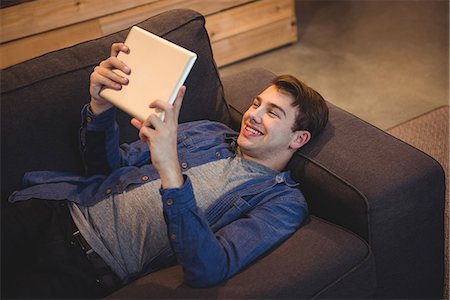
{"x":126,"y":69}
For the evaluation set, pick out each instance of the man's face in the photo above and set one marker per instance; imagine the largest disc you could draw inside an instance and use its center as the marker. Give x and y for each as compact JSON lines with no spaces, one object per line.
{"x":266,"y":129}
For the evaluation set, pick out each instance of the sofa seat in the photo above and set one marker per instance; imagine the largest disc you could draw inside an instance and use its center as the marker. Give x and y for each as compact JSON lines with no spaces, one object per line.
{"x":320,"y":261}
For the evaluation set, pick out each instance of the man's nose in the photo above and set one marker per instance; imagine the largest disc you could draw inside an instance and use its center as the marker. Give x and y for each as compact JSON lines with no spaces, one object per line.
{"x":255,"y":115}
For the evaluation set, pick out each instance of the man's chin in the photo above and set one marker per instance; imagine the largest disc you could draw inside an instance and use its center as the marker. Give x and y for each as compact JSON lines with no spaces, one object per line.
{"x":245,"y":146}
{"x":243,"y":142}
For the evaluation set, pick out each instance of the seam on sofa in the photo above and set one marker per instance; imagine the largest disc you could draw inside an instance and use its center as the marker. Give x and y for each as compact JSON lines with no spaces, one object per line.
{"x":411,"y":146}
{"x":90,"y":65}
{"x":348,"y":184}
{"x":388,"y":134}
{"x":436,"y":162}
{"x":403,"y":142}
{"x":46,"y":78}
{"x":355,"y":267}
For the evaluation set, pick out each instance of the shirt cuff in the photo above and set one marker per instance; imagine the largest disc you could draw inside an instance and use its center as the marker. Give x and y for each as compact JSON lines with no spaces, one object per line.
{"x":177,"y":200}
{"x":99,"y":122}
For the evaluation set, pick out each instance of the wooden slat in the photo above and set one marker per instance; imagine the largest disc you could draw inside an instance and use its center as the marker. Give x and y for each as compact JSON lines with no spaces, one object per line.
{"x":237,"y":28}
{"x":28,"y":47}
{"x":124,"y":19}
{"x":254,"y":42}
{"x":43,"y":15}
{"x":127,"y":18}
{"x":248,"y":17}
{"x":33,"y":46}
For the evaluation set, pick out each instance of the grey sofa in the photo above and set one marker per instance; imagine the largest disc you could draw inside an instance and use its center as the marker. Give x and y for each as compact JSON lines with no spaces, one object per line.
{"x":376,"y":226}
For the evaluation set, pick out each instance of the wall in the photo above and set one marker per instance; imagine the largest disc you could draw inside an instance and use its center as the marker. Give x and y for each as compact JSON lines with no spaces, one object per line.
{"x":238,"y":28}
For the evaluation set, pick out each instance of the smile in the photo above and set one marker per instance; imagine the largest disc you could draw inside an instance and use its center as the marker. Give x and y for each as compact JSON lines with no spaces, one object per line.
{"x":252,"y":131}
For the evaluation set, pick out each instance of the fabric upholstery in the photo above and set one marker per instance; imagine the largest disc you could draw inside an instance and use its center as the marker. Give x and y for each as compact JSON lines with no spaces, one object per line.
{"x":319,"y":261}
{"x":377,"y":229}
{"x":41,"y":98}
{"x":363,"y":179}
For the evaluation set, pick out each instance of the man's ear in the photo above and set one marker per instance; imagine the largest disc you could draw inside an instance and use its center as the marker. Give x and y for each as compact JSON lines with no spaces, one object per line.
{"x":301,"y":137}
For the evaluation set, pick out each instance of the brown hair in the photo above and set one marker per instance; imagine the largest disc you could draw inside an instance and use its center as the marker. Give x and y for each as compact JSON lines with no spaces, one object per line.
{"x":312,"y":114}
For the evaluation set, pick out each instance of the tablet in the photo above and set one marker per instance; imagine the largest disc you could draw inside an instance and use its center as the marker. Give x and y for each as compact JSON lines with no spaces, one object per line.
{"x":158,"y":69}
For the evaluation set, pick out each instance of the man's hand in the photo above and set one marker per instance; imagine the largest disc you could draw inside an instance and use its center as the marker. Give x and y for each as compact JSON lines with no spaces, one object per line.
{"x":103,"y":76}
{"x":161,"y":138}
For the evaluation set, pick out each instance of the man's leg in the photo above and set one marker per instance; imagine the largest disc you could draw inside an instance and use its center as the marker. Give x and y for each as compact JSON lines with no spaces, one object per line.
{"x":40,"y":257}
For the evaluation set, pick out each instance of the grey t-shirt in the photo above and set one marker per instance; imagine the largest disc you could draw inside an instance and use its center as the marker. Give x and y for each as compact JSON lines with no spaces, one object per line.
{"x":127,"y":230}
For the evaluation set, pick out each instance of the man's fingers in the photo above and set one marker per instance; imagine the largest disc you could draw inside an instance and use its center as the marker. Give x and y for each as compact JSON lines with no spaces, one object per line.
{"x":145,"y":128}
{"x":171,"y":111}
{"x":117,"y":47}
{"x":153,"y":121}
{"x":99,"y":79}
{"x":110,"y":75}
{"x":115,"y":63}
{"x":161,"y":107}
{"x":136,"y":123}
{"x":179,"y":101}
{"x":104,"y":75}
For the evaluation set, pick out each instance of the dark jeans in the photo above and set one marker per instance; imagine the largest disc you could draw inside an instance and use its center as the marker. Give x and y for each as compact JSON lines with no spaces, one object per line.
{"x":40,"y":257}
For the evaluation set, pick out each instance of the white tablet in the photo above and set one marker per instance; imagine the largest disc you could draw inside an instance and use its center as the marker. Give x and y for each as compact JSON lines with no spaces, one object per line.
{"x":158,"y":69}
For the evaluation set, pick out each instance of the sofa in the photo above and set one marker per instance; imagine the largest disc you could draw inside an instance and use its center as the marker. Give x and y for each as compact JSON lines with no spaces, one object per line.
{"x":376,"y":203}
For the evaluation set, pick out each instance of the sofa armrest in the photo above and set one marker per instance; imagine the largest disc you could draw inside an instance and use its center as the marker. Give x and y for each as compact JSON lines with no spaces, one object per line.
{"x":388,"y":192}
{"x":357,"y":176}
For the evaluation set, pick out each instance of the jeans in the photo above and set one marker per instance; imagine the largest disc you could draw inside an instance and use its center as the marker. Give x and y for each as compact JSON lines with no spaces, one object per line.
{"x":40,"y":256}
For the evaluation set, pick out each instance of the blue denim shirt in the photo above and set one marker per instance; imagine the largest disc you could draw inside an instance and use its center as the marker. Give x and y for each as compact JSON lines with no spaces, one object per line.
{"x":212,"y":245}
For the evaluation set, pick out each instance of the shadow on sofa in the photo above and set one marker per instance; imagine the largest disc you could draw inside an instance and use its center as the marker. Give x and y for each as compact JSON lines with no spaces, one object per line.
{"x":376,"y":229}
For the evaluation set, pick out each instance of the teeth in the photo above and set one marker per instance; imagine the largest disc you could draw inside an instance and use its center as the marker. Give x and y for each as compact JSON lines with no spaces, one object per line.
{"x":253,"y":130}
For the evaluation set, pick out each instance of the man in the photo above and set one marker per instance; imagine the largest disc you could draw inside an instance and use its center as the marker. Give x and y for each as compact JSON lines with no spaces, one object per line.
{"x":181,"y":194}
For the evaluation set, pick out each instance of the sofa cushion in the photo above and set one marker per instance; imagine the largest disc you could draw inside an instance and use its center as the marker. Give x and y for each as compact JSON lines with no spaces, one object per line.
{"x":41,"y":98}
{"x":361,"y":178}
{"x":319,"y":261}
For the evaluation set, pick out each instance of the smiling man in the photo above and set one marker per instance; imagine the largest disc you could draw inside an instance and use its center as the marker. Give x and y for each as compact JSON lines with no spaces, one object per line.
{"x":267,"y":135}
{"x":183,"y":194}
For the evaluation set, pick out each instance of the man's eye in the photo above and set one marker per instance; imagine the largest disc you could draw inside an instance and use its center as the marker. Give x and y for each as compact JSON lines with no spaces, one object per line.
{"x":255,"y":104}
{"x":272,"y":113}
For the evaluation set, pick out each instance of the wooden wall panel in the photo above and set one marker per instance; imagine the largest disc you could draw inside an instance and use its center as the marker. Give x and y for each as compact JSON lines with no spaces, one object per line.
{"x":36,"y":45}
{"x":44,"y":15}
{"x":127,"y":18}
{"x":254,"y":42}
{"x":237,"y":28}
{"x":248,"y":17}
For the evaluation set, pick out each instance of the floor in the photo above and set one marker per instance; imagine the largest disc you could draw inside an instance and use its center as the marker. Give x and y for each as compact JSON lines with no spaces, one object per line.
{"x":384,"y":61}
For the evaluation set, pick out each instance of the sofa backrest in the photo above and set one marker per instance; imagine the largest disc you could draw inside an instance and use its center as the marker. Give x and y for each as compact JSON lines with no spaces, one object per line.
{"x":41,"y":98}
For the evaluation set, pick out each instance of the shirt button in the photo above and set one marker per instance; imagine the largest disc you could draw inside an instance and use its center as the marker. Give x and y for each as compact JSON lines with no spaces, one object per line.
{"x":279,"y":178}
{"x":108,"y":191}
{"x":169,"y":201}
{"x":88,"y":119}
{"x":144,"y":178}
{"x":217,"y":154}
{"x":173,"y":236}
{"x":184,"y":165}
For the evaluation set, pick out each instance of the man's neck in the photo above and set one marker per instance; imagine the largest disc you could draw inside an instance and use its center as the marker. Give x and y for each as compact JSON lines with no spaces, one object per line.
{"x":277,"y":163}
